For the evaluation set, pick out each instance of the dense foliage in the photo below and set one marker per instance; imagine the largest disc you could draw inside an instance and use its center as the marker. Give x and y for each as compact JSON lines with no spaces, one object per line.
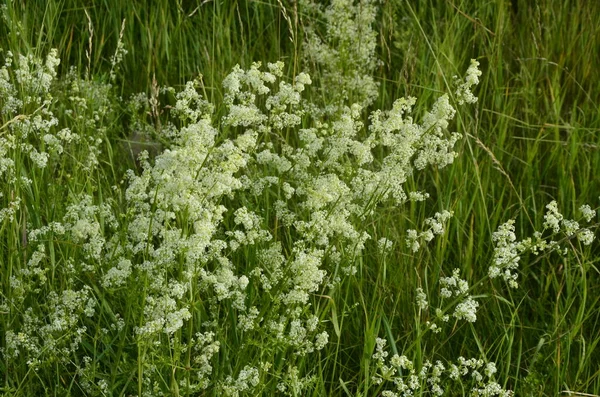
{"x":215,"y":198}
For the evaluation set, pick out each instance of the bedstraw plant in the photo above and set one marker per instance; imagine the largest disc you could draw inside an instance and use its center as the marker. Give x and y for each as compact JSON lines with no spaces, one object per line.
{"x":280,"y":237}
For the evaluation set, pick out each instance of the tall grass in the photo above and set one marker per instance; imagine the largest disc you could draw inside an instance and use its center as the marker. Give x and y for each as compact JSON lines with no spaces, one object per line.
{"x":531,"y":138}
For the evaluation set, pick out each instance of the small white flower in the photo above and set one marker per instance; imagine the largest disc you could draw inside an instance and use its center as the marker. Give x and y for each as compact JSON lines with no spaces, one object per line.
{"x":587,"y":212}
{"x":422,"y":303}
{"x":463,"y":92}
{"x":553,"y":217}
{"x":586,"y":236}
{"x":466,"y":310}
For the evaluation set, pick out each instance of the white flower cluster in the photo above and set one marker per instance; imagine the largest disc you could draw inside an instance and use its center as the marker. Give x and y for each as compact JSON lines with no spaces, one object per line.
{"x":205,"y":347}
{"x":436,"y":226}
{"x":422,"y":303}
{"x":508,"y":250}
{"x":345,"y":54}
{"x":177,"y":242}
{"x":299,"y":334}
{"x":253,"y":232}
{"x":455,"y":286}
{"x":506,"y":254}
{"x":463,"y":91}
{"x":433,"y":378}
{"x":195,"y":248}
{"x":384,"y":245}
{"x":117,"y":276}
{"x":587,"y":212}
{"x":81,"y":222}
{"x":8,"y":213}
{"x":47,"y":126}
{"x":450,"y":287}
{"x":163,"y":313}
{"x":55,"y":336}
{"x":175,"y":214}
{"x":411,"y":146}
{"x":189,"y":104}
{"x":553,"y":218}
{"x":306,"y":276}
{"x":246,"y":381}
{"x":25,"y":100}
{"x":293,"y":384}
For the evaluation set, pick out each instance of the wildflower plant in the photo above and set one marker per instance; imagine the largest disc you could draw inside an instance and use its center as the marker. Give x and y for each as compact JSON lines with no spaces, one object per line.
{"x":186,"y":246}
{"x":432,"y":378}
{"x":508,"y":250}
{"x":224,"y":264}
{"x":193,"y":264}
{"x":182,"y":245}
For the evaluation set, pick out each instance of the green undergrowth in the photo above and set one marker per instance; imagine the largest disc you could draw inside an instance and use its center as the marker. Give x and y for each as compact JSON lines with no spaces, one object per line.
{"x":299,"y":198}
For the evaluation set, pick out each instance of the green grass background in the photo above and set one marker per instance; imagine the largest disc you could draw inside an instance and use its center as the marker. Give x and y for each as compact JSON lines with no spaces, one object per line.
{"x":533,"y":137}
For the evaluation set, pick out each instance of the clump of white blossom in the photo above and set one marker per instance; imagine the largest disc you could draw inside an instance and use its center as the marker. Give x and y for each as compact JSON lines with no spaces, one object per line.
{"x":436,"y":227}
{"x":456,"y":290}
{"x":222,"y":249}
{"x":293,"y":384}
{"x":463,"y":91}
{"x":246,"y":381}
{"x":57,"y":335}
{"x":466,"y":309}
{"x":50,"y":130}
{"x":508,"y":250}
{"x":345,"y":54}
{"x":190,"y":258}
{"x":192,"y":232}
{"x":182,"y":240}
{"x":401,"y":378}
{"x":25,"y":101}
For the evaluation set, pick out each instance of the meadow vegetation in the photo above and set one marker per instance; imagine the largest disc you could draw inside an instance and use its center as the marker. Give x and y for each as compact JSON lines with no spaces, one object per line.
{"x":303,"y":198}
